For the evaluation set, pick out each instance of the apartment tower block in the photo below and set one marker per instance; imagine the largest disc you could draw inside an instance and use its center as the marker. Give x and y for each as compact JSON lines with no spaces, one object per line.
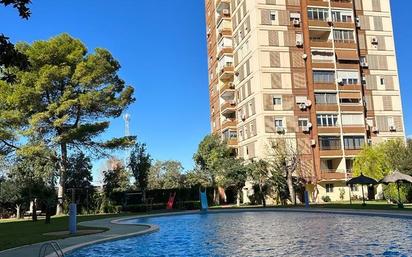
{"x":322,"y":73}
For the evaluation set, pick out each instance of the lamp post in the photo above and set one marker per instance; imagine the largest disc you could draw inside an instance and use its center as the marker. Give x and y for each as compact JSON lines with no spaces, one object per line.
{"x":73,"y":213}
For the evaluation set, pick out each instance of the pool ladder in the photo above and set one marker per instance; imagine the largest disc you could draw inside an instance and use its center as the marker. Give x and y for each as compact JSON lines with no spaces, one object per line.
{"x":54,"y":246}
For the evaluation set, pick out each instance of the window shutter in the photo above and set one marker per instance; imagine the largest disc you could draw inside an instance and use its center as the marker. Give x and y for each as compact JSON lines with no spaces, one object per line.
{"x":265,"y":17}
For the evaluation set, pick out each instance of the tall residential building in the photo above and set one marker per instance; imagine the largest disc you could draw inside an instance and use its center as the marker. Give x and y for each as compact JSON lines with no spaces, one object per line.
{"x":322,"y":73}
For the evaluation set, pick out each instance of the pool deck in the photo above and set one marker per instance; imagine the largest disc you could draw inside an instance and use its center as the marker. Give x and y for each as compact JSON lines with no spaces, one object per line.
{"x":119,"y":231}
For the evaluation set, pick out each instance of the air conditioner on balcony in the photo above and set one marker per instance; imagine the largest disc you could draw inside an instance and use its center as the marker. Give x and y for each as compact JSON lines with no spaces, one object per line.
{"x":299,"y":42}
{"x":375,"y":130}
{"x":225,"y":11}
{"x":243,"y":117}
{"x":302,"y":106}
{"x":305,"y":129}
{"x":231,"y":85}
{"x":296,"y":22}
{"x":374,"y":41}
{"x":340,"y":82}
{"x":364,"y":64}
{"x":392,"y":128}
{"x":313,"y":142}
{"x":280,"y":130}
{"x":369,"y":142}
{"x":304,"y":56}
{"x":358,"y":22}
{"x":308,"y":103}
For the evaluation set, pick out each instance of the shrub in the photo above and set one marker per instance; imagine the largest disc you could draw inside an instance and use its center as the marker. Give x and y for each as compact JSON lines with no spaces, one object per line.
{"x":391,"y":193}
{"x":326,"y":198}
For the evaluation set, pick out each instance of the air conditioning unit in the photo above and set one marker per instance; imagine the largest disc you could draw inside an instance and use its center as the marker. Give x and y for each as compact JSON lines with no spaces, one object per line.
{"x":358,"y":22}
{"x":299,"y":42}
{"x":340,"y":82}
{"x":304,"y":56}
{"x":302,"y":106}
{"x":364,"y":64}
{"x":374,"y":41}
{"x":308,"y":103}
{"x":280,"y":130}
{"x":305,"y":129}
{"x":296,"y":22}
{"x":226,"y":11}
{"x":313,"y":142}
{"x":392,"y":128}
{"x":369,"y":142}
{"x":243,"y":117}
{"x":231,"y":85}
{"x":309,"y":125}
{"x":375,"y":130}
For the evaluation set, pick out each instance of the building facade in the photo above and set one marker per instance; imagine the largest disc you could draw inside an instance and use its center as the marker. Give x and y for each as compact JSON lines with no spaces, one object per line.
{"x":320,"y":73}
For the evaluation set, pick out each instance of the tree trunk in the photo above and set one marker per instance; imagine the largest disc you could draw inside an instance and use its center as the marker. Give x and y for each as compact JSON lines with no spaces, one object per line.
{"x":47,"y":221}
{"x":289,"y":180}
{"x":63,"y":167}
{"x":262,"y":195}
{"x":18,"y":211}
{"x":239,"y":191}
{"x":216,"y":197}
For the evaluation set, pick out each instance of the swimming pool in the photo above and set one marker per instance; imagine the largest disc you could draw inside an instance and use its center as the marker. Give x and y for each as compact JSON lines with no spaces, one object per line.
{"x":263,"y":234}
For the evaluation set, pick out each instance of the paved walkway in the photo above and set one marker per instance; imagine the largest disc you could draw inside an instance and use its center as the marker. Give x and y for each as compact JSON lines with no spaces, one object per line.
{"x":117,"y":231}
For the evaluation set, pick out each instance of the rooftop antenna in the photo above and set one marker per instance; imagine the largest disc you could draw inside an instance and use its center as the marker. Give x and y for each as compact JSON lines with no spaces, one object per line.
{"x":126,"y":119}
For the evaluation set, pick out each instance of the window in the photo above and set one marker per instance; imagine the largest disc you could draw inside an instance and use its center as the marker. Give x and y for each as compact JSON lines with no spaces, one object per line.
{"x":277,"y":101}
{"x":354,"y":188}
{"x":348,"y":77}
{"x":352,"y":119}
{"x":326,"y":98}
{"x":329,"y":188}
{"x":323,"y":76}
{"x":329,"y":143}
{"x":338,"y":16}
{"x":350,"y":100}
{"x":354,"y":142}
{"x":272,"y":15}
{"x":303,"y":122}
{"x":278,"y":123}
{"x":349,"y":165}
{"x":382,"y":81}
{"x":318,"y":14}
{"x":343,"y":36}
{"x":327,"y":120}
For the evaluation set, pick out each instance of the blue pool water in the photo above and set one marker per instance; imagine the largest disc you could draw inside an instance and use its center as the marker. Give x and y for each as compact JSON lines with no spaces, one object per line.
{"x":264,"y":234}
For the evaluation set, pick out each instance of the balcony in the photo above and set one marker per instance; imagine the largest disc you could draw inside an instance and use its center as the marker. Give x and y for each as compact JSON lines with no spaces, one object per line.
{"x":227,"y":91}
{"x":345,"y":43}
{"x":226,"y":68}
{"x":331,"y":175}
{"x":320,"y":38}
{"x":228,"y":123}
{"x":225,"y":47}
{"x":342,"y":3}
{"x":318,"y":3}
{"x":230,"y":136}
{"x":224,"y":28}
{"x":228,"y":108}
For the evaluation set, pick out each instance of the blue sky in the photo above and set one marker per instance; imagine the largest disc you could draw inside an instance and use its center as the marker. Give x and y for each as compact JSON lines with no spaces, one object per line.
{"x":161,"y":47}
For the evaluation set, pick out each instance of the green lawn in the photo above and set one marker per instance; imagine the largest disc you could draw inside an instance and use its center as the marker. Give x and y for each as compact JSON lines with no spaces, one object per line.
{"x":14,"y":233}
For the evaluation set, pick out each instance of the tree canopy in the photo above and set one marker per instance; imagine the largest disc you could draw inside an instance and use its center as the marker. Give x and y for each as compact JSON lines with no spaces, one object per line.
{"x":63,"y":101}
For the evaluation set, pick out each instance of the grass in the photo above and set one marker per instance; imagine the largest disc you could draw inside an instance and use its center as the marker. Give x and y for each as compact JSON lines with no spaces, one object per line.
{"x":14,"y":233}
